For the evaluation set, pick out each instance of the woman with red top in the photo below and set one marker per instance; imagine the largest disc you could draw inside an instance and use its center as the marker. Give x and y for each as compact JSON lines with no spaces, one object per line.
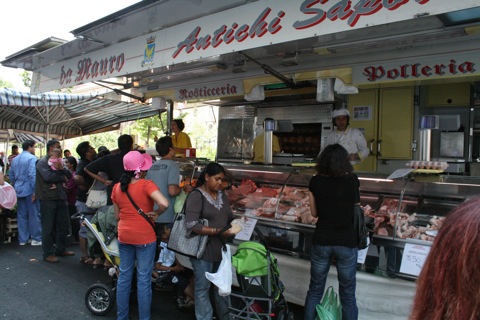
{"x":136,"y":235}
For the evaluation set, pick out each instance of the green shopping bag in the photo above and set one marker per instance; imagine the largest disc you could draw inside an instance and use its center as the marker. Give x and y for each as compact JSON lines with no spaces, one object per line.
{"x":179,"y":201}
{"x":330,"y":307}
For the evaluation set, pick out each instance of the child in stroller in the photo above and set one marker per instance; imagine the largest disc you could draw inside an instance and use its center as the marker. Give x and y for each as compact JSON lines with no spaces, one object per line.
{"x":168,"y":271}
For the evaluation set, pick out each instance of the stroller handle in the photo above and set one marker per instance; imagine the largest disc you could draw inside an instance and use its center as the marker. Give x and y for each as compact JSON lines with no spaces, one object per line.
{"x":81,"y":215}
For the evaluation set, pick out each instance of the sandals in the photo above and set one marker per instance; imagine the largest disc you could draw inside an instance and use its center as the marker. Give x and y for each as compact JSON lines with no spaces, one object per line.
{"x":86,"y":260}
{"x":97,"y":263}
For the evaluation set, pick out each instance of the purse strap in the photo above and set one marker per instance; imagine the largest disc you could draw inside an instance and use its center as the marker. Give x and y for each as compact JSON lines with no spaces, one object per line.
{"x":141,"y":212}
{"x":356,"y":191}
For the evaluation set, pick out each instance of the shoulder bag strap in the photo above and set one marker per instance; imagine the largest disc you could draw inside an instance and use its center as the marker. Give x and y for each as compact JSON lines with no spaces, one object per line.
{"x":356,"y":190}
{"x":185,"y":203}
{"x":141,"y":212}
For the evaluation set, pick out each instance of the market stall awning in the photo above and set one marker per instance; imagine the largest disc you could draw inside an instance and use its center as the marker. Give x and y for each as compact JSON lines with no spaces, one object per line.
{"x":65,"y":114}
{"x":19,"y":137}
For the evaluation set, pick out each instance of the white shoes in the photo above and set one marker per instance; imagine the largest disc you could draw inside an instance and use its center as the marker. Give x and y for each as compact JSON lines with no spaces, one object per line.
{"x":36,"y":243}
{"x":24,"y":243}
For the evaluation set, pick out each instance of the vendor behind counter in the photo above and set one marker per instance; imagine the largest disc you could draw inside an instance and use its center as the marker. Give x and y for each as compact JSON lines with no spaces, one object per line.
{"x":259,"y":146}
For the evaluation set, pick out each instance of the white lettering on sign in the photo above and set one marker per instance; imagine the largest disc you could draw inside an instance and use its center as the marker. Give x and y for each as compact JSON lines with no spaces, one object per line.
{"x":416,"y":70}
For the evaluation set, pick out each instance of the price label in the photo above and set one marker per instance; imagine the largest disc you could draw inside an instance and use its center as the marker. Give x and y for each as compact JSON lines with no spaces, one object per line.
{"x":413,"y":258}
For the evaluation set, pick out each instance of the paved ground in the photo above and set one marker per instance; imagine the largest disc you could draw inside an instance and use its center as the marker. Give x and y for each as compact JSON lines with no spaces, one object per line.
{"x":34,"y":289}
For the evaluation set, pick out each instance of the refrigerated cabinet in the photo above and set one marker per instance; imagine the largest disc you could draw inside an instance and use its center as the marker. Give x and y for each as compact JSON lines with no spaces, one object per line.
{"x":274,"y":195}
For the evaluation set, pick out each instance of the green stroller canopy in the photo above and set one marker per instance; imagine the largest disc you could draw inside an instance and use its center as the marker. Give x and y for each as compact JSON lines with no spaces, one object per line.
{"x":250,"y":260}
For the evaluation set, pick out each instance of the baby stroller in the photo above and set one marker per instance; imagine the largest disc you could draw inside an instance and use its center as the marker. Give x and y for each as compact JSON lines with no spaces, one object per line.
{"x":100,"y":298}
{"x":260,"y":291}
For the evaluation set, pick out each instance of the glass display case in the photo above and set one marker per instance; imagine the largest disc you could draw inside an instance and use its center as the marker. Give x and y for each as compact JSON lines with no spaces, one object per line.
{"x":406,"y":210}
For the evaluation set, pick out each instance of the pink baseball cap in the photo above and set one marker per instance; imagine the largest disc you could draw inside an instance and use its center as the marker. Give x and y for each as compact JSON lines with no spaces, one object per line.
{"x":136,"y":161}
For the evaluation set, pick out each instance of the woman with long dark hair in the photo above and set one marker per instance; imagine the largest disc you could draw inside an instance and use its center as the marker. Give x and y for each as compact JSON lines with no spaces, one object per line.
{"x":333,"y":192}
{"x":449,"y":285}
{"x":136,"y":235}
{"x":208,"y":201}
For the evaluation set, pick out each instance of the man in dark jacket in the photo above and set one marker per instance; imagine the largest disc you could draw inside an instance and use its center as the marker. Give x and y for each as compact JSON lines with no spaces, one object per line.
{"x":112,"y":165}
{"x":53,"y":205}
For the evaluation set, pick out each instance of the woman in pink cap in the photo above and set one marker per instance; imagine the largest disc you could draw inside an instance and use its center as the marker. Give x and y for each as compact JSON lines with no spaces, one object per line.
{"x":133,"y":198}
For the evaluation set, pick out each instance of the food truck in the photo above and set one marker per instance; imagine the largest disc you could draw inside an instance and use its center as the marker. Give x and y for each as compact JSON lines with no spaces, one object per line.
{"x":406,"y":70}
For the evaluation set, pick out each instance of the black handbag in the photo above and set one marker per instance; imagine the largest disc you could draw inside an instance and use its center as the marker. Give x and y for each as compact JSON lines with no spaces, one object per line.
{"x":359,"y":226}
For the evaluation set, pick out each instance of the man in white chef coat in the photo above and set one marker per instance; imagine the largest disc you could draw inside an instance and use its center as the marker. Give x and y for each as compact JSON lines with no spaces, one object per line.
{"x":351,"y":139}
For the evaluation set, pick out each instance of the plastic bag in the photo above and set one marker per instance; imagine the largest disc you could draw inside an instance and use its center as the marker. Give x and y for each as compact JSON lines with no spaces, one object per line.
{"x":237,"y":225}
{"x":330,"y":307}
{"x":8,"y":196}
{"x":223,"y":277}
{"x":96,"y":198}
{"x":179,"y":201}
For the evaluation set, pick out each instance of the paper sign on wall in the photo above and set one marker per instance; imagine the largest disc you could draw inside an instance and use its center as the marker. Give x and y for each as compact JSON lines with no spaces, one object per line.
{"x":247,"y":230}
{"x":362,"y":113}
{"x":413,"y":258}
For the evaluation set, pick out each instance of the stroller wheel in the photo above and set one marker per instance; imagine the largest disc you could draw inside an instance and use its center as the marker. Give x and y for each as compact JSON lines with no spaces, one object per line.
{"x":285,"y":315}
{"x":99,"y":299}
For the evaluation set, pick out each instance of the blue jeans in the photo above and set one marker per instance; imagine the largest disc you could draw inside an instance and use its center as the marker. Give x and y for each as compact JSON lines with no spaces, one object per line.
{"x":82,"y":207}
{"x":346,"y":262}
{"x":143,"y":255}
{"x":203,"y":306}
{"x":28,"y":219}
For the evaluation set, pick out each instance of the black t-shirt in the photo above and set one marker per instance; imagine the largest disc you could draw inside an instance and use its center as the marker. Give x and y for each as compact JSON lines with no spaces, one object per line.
{"x":334,"y":199}
{"x":112,"y":165}
{"x":82,"y":194}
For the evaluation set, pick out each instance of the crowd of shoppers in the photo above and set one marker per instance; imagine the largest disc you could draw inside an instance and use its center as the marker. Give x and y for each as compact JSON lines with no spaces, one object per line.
{"x":43,"y":215}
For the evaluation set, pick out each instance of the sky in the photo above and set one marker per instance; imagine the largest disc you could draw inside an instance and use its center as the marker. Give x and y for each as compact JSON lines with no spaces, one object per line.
{"x":27,"y":22}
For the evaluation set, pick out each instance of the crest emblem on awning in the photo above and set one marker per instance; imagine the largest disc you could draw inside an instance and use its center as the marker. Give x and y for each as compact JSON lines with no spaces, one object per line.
{"x":149,"y":52}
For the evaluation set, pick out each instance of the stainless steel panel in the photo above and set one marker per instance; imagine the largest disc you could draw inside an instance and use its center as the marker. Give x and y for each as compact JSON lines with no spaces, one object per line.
{"x":298,"y":114}
{"x":235,"y":132}
{"x":452,"y":144}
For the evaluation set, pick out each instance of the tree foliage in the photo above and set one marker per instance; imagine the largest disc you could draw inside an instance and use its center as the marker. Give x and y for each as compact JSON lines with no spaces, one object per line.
{"x":5,"y":84}
{"x":149,"y":128}
{"x":107,"y":139}
{"x":202,"y":134}
{"x":26,"y":78}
